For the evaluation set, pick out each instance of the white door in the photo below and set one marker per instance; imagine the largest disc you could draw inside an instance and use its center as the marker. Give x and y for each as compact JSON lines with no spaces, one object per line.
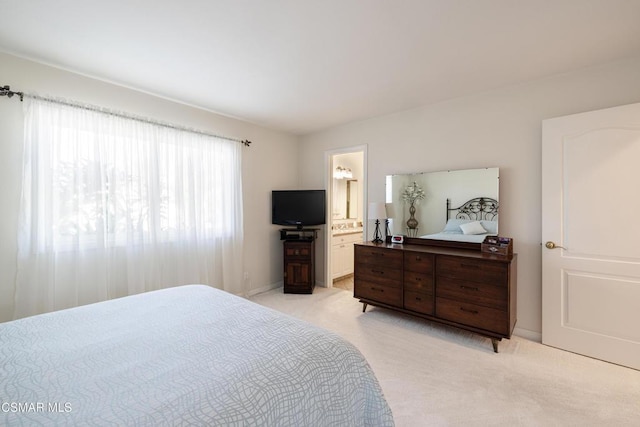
{"x":591,"y":212}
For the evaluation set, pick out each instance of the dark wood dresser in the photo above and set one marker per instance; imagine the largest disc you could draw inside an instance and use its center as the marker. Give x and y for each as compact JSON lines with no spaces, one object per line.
{"x":465,"y":288}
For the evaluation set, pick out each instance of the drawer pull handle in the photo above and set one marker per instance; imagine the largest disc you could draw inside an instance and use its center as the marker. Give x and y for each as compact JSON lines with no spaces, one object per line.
{"x":469,"y":311}
{"x":377,"y":289}
{"x":418,"y":279}
{"x":471,"y":288}
{"x":377,"y":253}
{"x":418,"y":299}
{"x":471,"y":266}
{"x":418,"y":258}
{"x":296,"y":252}
{"x":377,"y":271}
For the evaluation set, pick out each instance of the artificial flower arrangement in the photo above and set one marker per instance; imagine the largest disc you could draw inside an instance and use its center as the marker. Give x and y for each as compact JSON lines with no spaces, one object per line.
{"x":413,"y":193}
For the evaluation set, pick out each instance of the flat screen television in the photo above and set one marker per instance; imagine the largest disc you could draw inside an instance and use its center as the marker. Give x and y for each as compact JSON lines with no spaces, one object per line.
{"x":298,"y":208}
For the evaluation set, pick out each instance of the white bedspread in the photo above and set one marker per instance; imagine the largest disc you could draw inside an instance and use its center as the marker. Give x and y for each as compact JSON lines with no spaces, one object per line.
{"x":457,"y":237}
{"x":191,"y":355}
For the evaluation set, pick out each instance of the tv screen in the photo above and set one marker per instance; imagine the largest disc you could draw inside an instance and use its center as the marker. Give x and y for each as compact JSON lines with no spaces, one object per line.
{"x":298,"y":208}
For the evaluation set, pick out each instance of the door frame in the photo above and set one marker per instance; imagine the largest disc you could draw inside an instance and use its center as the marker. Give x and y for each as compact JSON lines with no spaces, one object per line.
{"x":328,"y":179}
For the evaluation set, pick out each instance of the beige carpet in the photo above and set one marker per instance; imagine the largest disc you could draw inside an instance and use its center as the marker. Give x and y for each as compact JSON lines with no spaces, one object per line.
{"x":433,"y":375}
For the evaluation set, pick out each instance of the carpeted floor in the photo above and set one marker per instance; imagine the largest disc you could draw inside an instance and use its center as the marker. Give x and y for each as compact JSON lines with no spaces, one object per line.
{"x":434,"y":375}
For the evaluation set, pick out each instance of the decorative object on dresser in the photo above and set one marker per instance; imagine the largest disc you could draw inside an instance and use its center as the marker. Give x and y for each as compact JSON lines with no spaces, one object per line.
{"x":299,"y":275}
{"x":497,"y":245}
{"x":412,"y":194}
{"x":377,"y":211}
{"x":460,"y":287}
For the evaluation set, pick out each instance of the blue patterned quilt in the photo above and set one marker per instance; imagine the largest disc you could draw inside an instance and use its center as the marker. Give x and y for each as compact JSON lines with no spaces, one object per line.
{"x":190,"y":355}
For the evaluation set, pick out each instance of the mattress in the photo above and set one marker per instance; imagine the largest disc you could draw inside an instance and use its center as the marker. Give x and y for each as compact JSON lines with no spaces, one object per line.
{"x":186,"y":355}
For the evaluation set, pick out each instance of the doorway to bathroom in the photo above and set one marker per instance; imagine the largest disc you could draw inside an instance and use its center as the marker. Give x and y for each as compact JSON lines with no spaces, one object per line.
{"x":346,"y":184}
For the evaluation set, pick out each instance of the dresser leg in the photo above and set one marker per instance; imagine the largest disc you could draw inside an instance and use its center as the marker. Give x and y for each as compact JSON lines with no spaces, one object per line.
{"x":364,"y":306}
{"x":495,"y":342}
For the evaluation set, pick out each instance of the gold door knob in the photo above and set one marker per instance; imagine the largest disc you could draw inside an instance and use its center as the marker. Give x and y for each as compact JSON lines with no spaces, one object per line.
{"x":551,"y":245}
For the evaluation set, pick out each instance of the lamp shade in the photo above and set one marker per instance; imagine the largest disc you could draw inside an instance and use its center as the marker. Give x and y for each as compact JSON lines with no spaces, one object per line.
{"x":377,"y":210}
{"x":391,"y":210}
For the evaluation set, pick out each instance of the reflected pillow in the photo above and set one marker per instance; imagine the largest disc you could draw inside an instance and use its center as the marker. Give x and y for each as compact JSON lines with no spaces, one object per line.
{"x":472,"y":228}
{"x":453,"y":225}
{"x":490,"y":226}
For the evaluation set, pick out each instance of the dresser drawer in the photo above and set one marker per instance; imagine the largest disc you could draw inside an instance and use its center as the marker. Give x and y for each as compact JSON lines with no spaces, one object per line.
{"x":418,"y":262}
{"x":377,"y":292}
{"x":379,"y":274}
{"x":473,"y":292}
{"x":418,"y":282}
{"x":475,"y":270}
{"x":379,"y":257}
{"x":474,"y":315}
{"x":418,"y":302}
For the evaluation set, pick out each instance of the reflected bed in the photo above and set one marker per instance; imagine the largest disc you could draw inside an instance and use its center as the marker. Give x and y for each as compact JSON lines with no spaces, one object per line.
{"x":458,"y":237}
{"x":472,"y":222}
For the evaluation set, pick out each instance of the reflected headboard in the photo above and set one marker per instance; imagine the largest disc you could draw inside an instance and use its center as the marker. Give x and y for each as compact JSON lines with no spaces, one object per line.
{"x":479,"y":208}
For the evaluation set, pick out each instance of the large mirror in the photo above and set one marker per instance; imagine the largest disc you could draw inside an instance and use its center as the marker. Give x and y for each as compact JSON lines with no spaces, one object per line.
{"x":446,"y":205}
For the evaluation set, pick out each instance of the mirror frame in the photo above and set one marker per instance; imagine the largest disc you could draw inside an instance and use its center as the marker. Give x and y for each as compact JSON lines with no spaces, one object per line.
{"x":441,"y":243}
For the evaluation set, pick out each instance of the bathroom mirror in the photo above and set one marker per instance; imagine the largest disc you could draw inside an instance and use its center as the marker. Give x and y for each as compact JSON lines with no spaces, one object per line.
{"x":345,"y":199}
{"x":470,"y":194}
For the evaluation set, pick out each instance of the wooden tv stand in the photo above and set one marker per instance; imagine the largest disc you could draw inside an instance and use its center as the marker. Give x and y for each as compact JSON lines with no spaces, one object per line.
{"x":299,"y":276}
{"x":464,"y":288}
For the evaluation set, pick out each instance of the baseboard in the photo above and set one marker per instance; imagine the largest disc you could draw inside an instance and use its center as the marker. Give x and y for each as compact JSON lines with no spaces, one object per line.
{"x":266,"y":288}
{"x":526,"y":333}
{"x":276,"y":285}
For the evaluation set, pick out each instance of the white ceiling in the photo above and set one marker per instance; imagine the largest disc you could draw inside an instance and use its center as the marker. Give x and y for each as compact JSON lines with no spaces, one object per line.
{"x":306,"y":65}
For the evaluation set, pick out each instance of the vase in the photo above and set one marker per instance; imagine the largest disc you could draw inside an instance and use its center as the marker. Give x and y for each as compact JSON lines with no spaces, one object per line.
{"x":412,"y":222}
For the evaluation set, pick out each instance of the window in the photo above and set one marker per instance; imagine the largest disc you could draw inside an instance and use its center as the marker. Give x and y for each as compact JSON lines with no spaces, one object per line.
{"x":119,"y":193}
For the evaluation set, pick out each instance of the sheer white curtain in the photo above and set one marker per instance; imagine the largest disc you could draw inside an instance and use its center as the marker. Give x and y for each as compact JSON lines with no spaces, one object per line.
{"x":113,"y":206}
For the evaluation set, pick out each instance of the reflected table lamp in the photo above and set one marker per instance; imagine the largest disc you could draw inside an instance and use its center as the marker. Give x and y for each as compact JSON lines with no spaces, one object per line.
{"x":391,"y":213}
{"x":377,"y":211}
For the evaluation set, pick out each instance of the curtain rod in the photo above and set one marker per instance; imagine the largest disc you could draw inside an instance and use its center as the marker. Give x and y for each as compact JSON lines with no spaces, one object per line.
{"x":6,"y":91}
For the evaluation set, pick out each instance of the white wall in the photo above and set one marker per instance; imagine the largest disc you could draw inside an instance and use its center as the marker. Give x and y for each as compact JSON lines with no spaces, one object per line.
{"x":500,"y":128}
{"x":261,"y":173}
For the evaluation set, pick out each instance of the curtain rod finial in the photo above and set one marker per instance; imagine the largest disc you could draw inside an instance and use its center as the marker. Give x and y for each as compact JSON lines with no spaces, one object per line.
{"x":6,"y":91}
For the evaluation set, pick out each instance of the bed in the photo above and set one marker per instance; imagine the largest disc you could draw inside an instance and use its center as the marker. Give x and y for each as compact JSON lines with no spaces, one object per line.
{"x":190,"y":355}
{"x":472,"y":221}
